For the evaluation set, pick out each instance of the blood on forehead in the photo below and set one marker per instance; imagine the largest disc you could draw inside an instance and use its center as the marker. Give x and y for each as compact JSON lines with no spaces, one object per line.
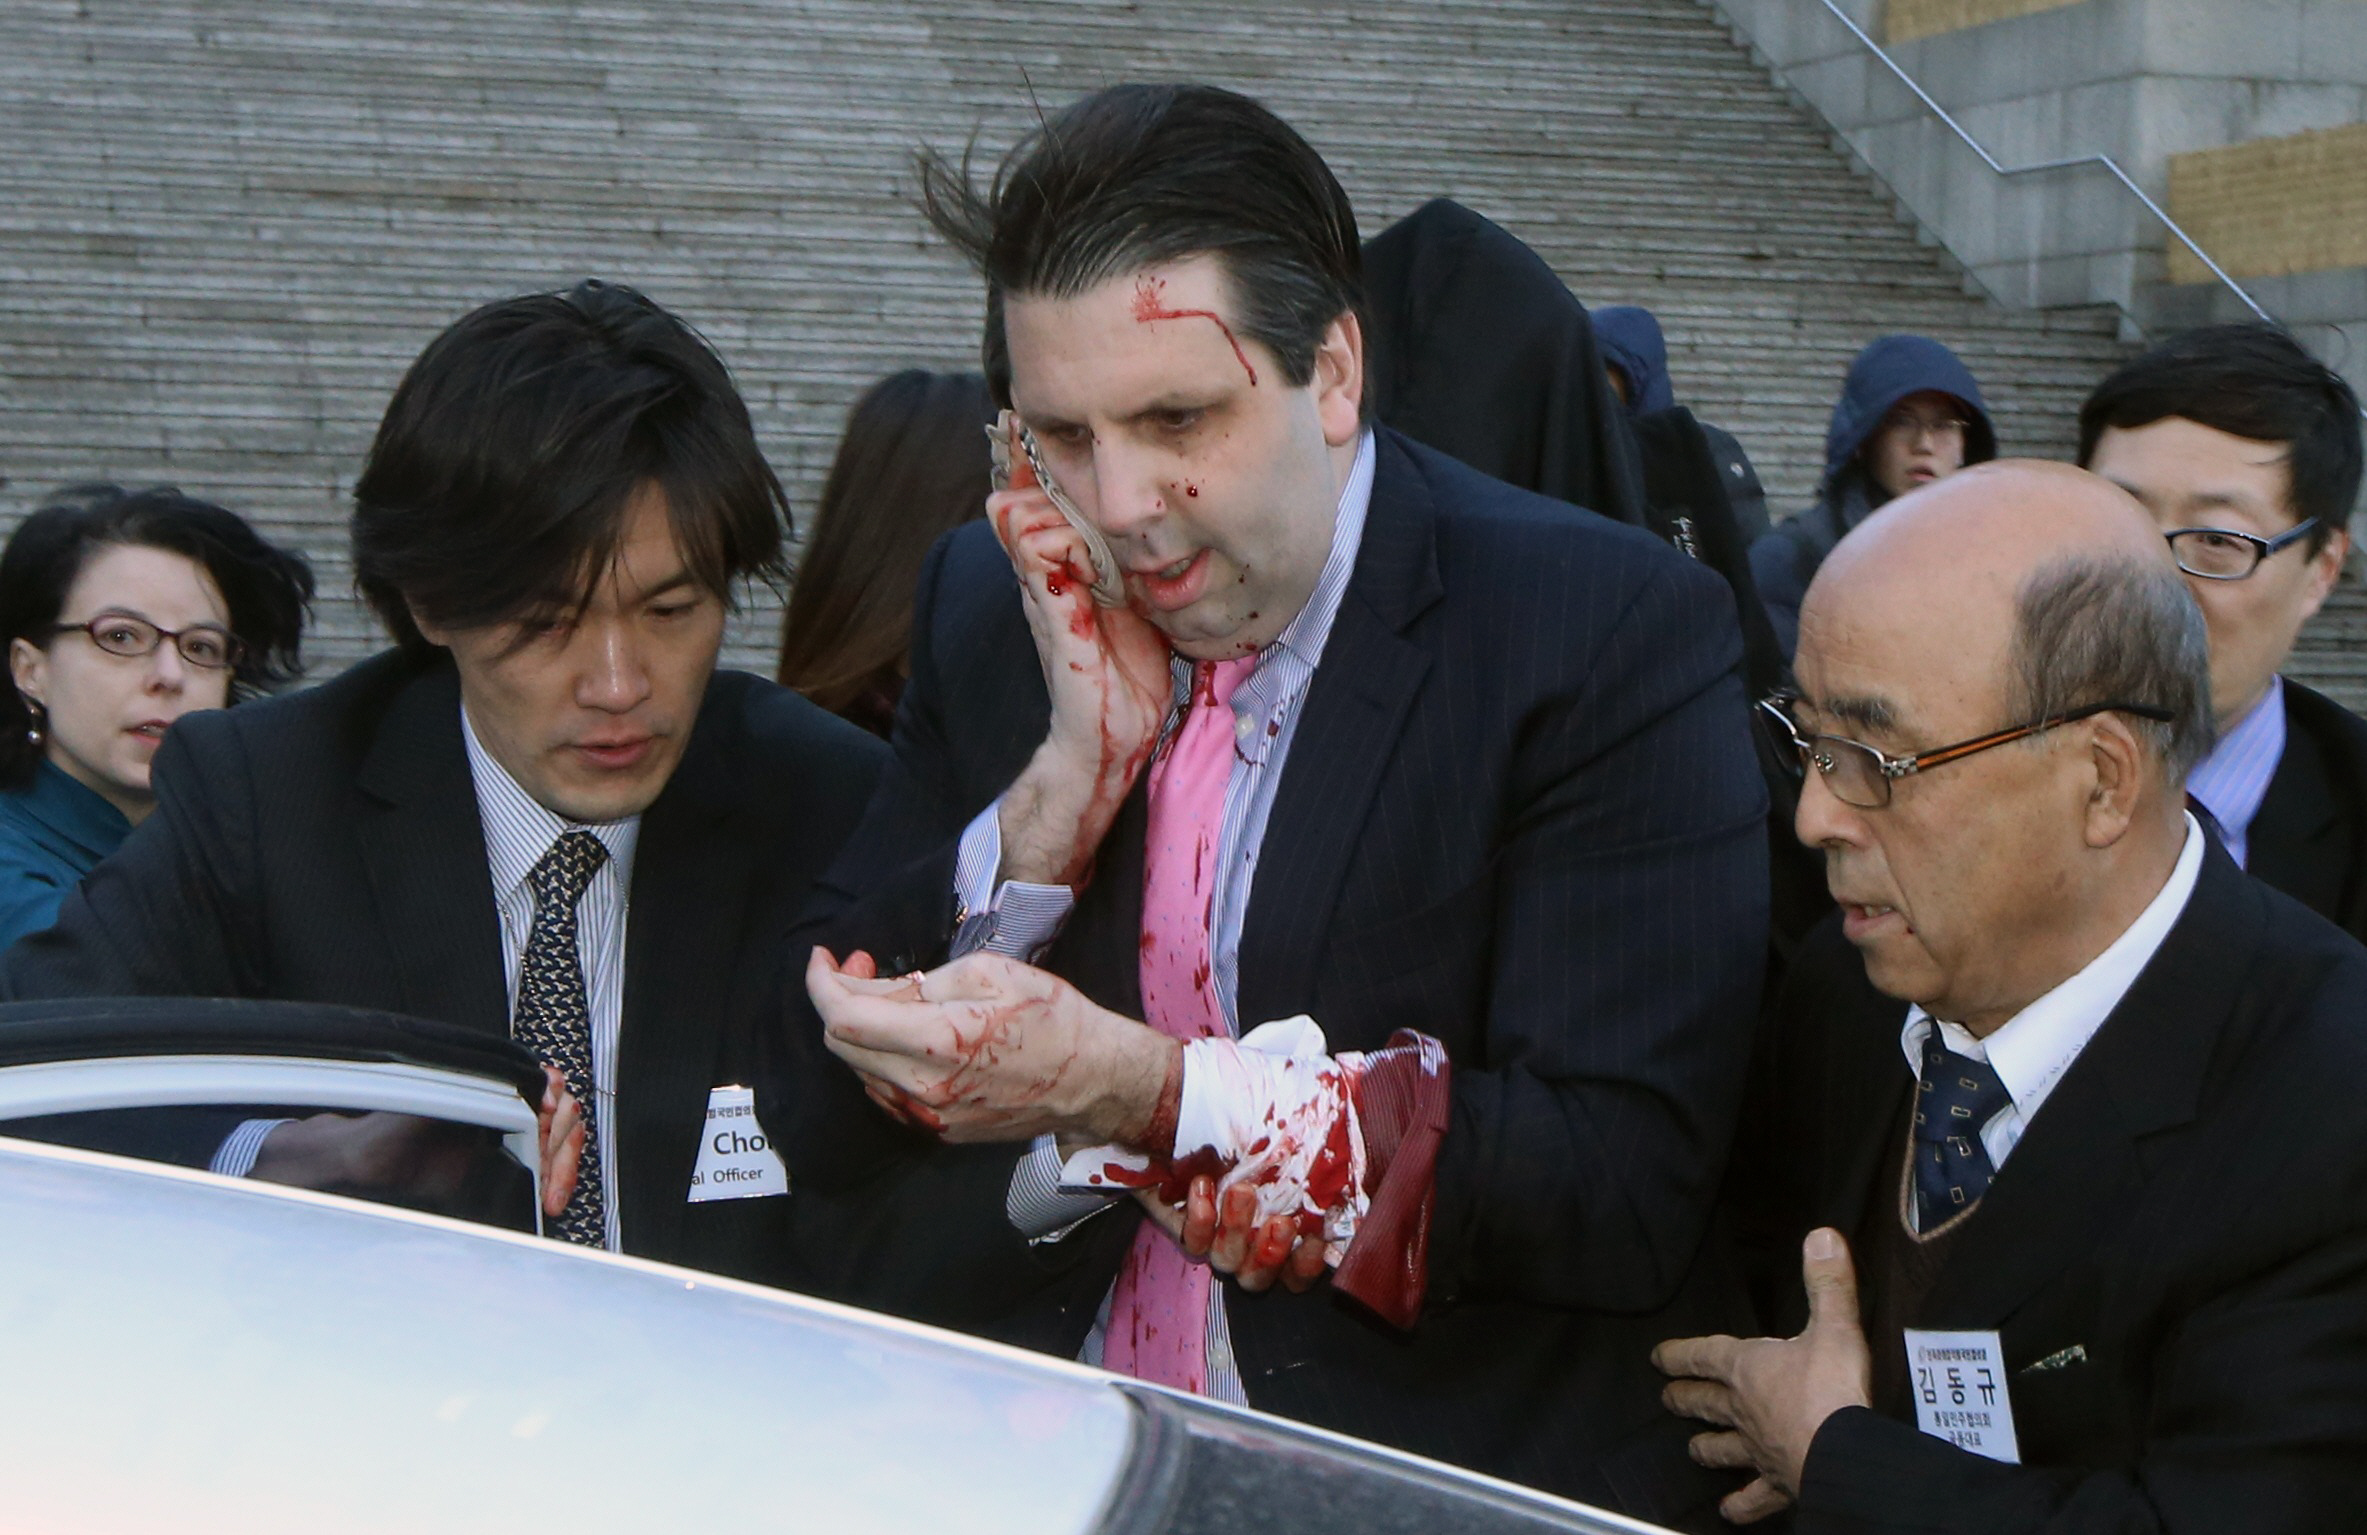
{"x":1150,"y":304}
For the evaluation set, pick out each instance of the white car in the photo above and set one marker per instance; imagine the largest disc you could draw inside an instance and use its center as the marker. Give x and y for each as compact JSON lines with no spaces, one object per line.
{"x":191,"y":1353}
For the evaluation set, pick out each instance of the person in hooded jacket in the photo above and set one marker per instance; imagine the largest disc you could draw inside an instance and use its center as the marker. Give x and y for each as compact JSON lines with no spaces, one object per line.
{"x":1636,"y":357}
{"x":1910,"y":413}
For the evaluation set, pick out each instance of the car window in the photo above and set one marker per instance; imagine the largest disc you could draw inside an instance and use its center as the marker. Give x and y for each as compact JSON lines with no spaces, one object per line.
{"x":411,"y":1161}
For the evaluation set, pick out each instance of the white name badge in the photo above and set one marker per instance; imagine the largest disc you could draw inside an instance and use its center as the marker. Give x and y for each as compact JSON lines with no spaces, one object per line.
{"x":1959,"y":1384}
{"x":735,"y":1159}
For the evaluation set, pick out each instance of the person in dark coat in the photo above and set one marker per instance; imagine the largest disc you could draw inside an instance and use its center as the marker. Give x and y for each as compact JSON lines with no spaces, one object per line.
{"x":2246,"y":450}
{"x":1637,"y":355}
{"x":1474,"y":347}
{"x":2052,"y":1172}
{"x":1910,"y":412}
{"x":545,"y":815}
{"x":1366,"y":630}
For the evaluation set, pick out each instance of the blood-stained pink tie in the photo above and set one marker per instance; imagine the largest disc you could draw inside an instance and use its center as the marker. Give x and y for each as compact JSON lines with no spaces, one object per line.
{"x":1158,"y":1328}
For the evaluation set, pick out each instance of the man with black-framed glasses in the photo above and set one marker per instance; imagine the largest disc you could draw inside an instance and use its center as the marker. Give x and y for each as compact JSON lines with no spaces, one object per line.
{"x":2246,"y":451}
{"x":2056,"y":1122}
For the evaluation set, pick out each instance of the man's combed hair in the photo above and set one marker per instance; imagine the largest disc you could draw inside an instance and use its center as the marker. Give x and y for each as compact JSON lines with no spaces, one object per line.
{"x":1139,"y":175}
{"x":2251,"y":381}
{"x":2094,"y":630}
{"x":499,"y":482}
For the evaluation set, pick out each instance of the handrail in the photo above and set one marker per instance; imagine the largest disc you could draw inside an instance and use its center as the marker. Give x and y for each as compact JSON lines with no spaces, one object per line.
{"x":1991,"y":160}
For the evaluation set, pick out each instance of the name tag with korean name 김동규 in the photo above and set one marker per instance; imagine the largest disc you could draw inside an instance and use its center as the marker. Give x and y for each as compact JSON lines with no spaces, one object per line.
{"x":1959,"y":1384}
{"x":735,"y":1159}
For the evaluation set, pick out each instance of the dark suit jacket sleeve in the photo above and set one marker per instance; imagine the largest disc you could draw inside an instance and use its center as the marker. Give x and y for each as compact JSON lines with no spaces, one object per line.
{"x":889,"y":891}
{"x":2256,"y":1426}
{"x":1628,"y":932}
{"x":168,"y":913}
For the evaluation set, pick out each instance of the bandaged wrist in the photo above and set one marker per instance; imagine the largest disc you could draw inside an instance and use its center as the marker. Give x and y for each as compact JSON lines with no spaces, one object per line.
{"x":1270,"y":1111}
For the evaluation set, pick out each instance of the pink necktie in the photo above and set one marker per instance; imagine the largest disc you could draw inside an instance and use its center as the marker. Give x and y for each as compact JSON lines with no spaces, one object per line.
{"x":1158,"y":1329}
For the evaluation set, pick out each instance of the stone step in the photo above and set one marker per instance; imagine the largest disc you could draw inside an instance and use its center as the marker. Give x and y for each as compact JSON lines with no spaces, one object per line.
{"x":226,"y":225}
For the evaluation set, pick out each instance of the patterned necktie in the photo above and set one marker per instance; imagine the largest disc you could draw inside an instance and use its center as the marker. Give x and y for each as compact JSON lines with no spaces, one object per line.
{"x":554,"y":1016}
{"x":1158,"y":1328}
{"x":1954,"y":1097}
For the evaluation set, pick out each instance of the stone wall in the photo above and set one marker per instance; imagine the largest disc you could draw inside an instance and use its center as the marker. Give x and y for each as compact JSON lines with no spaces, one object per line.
{"x":2273,"y":207}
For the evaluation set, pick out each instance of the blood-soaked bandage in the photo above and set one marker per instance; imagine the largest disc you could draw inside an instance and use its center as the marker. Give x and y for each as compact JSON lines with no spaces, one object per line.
{"x":1345,"y":1146}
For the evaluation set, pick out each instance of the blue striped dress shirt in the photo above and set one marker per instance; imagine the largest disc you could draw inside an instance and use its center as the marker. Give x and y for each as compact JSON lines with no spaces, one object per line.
{"x":2233,"y":780}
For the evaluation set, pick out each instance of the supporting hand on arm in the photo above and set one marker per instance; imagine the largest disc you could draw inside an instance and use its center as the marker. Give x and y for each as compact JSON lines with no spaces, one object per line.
{"x":1769,"y":1396}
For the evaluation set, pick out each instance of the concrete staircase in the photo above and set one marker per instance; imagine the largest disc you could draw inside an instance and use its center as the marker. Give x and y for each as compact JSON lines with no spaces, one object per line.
{"x":226,"y":225}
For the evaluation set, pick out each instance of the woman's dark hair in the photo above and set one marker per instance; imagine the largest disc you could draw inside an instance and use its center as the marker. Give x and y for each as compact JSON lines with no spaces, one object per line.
{"x":1137,"y":175}
{"x":499,"y":481}
{"x":2252,"y":381}
{"x":267,"y":589}
{"x":914,"y":462}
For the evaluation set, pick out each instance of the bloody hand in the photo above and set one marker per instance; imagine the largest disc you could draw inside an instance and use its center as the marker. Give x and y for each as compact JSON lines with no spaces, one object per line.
{"x":1232,"y":1241}
{"x":989,"y":1049}
{"x":1106,"y":671}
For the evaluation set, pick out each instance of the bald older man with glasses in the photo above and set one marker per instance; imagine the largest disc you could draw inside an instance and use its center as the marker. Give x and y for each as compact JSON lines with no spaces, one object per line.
{"x":2064,"y":1106}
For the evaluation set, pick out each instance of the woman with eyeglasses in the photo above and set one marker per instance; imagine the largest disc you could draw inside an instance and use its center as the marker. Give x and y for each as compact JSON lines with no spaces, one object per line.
{"x":1910,"y":413}
{"x":124,"y":610}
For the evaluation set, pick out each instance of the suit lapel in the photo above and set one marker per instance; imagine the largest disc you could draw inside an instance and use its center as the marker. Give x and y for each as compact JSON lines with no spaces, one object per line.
{"x":1355,"y":708}
{"x":1853,"y":1097}
{"x":694,"y":880}
{"x":424,"y":849}
{"x":2298,"y":840}
{"x":2142,"y":1073}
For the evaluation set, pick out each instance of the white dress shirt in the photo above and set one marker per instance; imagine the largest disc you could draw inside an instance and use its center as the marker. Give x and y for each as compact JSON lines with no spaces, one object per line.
{"x":518,"y":832}
{"x":2031,"y":1050}
{"x":1020,"y":919}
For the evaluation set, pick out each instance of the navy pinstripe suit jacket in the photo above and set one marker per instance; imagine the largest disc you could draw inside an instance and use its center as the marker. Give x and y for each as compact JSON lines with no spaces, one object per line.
{"x":1522,"y":814}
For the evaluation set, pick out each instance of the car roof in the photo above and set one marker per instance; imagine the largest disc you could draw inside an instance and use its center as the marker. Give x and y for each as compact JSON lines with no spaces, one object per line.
{"x":197,"y":1353}
{"x":192,"y":1354}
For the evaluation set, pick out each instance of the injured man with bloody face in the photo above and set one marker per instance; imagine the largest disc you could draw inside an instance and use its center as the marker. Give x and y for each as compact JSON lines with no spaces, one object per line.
{"x":1304,"y":950}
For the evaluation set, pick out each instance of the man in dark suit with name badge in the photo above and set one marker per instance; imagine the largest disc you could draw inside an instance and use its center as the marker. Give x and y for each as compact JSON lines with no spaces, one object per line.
{"x":1384,"y":833}
{"x":2062,"y":1103}
{"x":546,"y":813}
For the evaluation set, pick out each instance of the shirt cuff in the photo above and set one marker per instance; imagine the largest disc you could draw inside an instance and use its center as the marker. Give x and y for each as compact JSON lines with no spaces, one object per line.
{"x":1038,"y":1207}
{"x":1014,"y":917}
{"x":235,"y":1157}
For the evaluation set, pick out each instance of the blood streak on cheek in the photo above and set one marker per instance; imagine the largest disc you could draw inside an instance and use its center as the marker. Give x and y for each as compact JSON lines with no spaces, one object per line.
{"x":1149,"y":305}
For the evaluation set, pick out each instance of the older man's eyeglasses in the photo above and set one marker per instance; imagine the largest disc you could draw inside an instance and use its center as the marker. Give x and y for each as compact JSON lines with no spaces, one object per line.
{"x":207,"y":646}
{"x":2223,"y":554}
{"x":1862,"y":776}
